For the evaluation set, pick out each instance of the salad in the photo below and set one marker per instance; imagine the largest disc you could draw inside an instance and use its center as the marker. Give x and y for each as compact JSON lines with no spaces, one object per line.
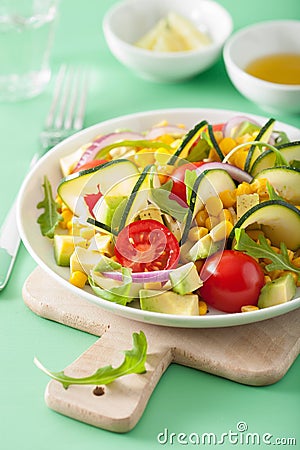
{"x":181,"y":221}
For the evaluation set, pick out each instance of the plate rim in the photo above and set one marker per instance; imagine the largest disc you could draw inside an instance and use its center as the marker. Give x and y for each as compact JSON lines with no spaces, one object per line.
{"x":207,"y":321}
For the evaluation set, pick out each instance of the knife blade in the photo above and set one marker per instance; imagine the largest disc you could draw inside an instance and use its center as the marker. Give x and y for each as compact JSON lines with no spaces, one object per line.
{"x":10,"y":238}
{"x":9,"y":245}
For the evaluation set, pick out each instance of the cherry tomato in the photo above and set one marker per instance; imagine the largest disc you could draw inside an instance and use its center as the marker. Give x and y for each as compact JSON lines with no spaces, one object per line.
{"x":231,"y":280}
{"x":90,"y":165}
{"x":218,"y":127}
{"x":147,"y":245}
{"x":179,"y":188}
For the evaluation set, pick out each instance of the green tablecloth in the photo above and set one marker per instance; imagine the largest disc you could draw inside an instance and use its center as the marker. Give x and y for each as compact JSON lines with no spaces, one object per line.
{"x":185,"y":400}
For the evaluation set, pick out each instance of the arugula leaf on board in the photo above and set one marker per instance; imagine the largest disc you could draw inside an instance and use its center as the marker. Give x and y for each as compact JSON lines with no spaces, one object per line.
{"x":279,"y":261}
{"x":49,"y":219}
{"x":134,"y":362}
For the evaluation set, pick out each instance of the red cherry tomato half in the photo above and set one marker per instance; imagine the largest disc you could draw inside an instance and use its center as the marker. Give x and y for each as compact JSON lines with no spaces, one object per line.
{"x":218,"y":127}
{"x":90,"y":165}
{"x":179,"y":188}
{"x":231,"y":280}
{"x":147,"y":245}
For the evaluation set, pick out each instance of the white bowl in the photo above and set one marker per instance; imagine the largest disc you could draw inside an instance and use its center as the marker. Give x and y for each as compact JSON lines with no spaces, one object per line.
{"x":128,"y":21}
{"x":256,"y":41}
{"x":41,"y":248}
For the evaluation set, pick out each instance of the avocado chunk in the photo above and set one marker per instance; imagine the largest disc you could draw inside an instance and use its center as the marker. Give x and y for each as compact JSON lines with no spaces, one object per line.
{"x":169,"y":302}
{"x":200,"y":249}
{"x":105,"y":208}
{"x":84,"y":259}
{"x":185,"y":279}
{"x":245,"y":127}
{"x":277,"y":291}
{"x":64,"y":246}
{"x":203,"y":248}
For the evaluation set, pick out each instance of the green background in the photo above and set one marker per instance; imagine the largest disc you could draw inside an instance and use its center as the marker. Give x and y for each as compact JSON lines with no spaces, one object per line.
{"x":185,"y":400}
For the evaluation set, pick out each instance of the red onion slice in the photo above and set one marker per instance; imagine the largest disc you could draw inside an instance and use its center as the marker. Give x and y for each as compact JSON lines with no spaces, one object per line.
{"x":167,"y":129}
{"x":235,"y":172}
{"x":92,"y":150}
{"x":141,"y":277}
{"x":234,"y":122}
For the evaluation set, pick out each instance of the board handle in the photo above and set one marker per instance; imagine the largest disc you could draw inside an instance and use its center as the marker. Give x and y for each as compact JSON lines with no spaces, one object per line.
{"x":118,"y":406}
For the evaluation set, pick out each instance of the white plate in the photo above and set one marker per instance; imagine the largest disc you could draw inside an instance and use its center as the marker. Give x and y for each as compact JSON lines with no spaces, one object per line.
{"x":41,"y":250}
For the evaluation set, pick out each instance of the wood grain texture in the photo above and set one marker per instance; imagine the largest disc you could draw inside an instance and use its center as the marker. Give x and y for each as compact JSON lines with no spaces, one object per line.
{"x":255,"y":354}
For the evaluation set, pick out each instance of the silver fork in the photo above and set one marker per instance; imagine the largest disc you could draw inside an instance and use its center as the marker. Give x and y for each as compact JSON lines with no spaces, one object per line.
{"x":65,"y":117}
{"x":66,"y":112}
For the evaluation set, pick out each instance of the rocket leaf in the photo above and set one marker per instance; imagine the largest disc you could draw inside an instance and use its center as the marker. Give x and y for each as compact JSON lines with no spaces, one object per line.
{"x":162,"y":198}
{"x":134,"y":362}
{"x":279,"y":261}
{"x":50,"y":217}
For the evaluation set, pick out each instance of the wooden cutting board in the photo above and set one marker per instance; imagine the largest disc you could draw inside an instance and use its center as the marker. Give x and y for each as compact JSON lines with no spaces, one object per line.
{"x":255,"y":354}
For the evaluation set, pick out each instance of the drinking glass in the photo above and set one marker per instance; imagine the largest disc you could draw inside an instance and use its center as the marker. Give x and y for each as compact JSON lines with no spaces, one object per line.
{"x":26,"y":36}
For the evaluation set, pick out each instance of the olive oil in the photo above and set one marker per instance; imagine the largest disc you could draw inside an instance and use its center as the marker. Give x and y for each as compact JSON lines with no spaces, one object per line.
{"x":283,"y":68}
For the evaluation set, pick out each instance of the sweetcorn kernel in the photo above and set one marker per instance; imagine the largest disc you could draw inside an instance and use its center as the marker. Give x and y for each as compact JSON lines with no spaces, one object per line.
{"x":78,"y":279}
{"x":260,"y":187}
{"x":296,"y":261}
{"x":221,"y":231}
{"x":225,"y":214}
{"x":239,"y":158}
{"x":227,"y":144}
{"x":267,"y":279}
{"x":144,"y":156}
{"x":243,"y":188}
{"x":291,"y":254}
{"x":166,"y":138}
{"x":228,"y":198}
{"x":276,"y":274}
{"x":70,"y":226}
{"x":202,"y":308}
{"x":201,"y":217}
{"x":294,"y":275}
{"x":197,"y":233}
{"x":211,"y":222}
{"x":162,"y":155}
{"x":249,"y":308}
{"x":275,"y":249}
{"x":67,"y":216}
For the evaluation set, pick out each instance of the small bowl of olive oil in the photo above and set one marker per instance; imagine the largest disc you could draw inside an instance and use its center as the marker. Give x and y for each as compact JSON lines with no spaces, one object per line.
{"x":263,"y":63}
